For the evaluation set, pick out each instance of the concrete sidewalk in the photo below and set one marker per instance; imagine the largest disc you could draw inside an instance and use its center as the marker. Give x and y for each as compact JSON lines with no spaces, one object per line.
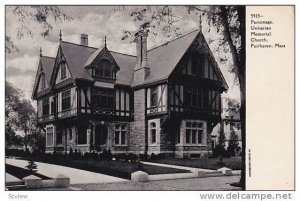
{"x":235,"y":172}
{"x":76,"y":176}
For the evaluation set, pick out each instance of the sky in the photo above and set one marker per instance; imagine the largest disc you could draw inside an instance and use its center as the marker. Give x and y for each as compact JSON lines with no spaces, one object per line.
{"x":97,"y":22}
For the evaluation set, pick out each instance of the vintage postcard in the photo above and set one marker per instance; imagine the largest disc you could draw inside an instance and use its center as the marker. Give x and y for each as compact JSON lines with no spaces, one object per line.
{"x":149,"y":98}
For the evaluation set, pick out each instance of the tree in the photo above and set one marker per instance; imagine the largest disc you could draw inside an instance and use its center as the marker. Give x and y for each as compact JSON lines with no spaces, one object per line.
{"x":233,"y":143}
{"x":18,"y":114}
{"x":229,"y":22}
{"x":34,"y":15}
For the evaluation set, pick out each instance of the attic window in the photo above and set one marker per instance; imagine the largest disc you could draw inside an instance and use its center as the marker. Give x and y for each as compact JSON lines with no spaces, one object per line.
{"x":104,"y":69}
{"x":198,"y":64}
{"x":43,"y":80}
{"x":63,"y":71}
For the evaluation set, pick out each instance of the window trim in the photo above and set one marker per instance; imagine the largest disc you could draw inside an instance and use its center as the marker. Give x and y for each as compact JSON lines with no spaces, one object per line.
{"x":153,"y":127}
{"x":52,"y":143}
{"x":121,"y":131}
{"x":66,"y":109}
{"x":200,"y":132}
{"x":44,"y":105}
{"x":102,"y":67}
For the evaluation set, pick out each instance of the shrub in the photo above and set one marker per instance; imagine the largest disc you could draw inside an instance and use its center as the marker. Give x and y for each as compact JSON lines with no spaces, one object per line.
{"x":31,"y":167}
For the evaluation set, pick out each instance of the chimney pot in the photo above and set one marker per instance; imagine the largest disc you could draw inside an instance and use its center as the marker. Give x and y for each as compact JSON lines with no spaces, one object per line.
{"x":84,"y":40}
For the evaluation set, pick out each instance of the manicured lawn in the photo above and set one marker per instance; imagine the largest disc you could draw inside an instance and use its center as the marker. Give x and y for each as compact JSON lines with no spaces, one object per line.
{"x":233,"y":163}
{"x":114,"y":168}
{"x":20,"y":173}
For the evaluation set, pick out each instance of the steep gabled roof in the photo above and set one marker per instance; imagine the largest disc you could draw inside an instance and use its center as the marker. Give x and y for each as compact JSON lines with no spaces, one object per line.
{"x":126,"y":63}
{"x":76,"y":56}
{"x":163,"y":59}
{"x":46,"y":65}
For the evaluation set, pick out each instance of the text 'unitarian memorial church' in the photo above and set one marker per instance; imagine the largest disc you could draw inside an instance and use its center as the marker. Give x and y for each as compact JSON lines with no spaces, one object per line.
{"x":164,"y":100}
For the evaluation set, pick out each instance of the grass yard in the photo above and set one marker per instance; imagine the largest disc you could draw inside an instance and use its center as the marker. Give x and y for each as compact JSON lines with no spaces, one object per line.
{"x":233,"y":163}
{"x":20,"y":173}
{"x":115,"y":168}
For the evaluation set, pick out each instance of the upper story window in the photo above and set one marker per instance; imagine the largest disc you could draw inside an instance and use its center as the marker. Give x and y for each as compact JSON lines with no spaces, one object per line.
{"x":153,"y":97}
{"x":104,"y":69}
{"x":104,"y":98}
{"x":63,"y":71}
{"x":43,"y":80}
{"x":66,"y":100}
{"x":198,"y":64}
{"x":196,"y":97}
{"x":45,"y":107}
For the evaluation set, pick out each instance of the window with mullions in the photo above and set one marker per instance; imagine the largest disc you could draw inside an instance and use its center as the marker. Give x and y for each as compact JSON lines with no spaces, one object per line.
{"x":49,"y":134}
{"x":194,"y":133}
{"x":104,"y":98}
{"x":196,"y":97}
{"x":104,"y":69}
{"x":120,"y":134}
{"x":45,"y":107}
{"x":66,"y":100}
{"x":153,"y":97}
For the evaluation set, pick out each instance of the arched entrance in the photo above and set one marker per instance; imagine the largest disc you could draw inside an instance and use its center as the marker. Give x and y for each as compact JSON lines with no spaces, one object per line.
{"x":100,"y":135}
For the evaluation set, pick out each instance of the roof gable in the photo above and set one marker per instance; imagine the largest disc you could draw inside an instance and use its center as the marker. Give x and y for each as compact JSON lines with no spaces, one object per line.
{"x":45,"y":66}
{"x":76,"y":57}
{"x":164,"y":58}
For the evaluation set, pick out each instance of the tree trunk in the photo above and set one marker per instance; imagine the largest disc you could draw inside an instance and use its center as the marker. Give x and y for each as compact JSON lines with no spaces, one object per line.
{"x":238,"y":58}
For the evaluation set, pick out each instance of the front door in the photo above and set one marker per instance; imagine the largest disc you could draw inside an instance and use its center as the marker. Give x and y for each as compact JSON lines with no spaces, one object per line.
{"x":100,"y":135}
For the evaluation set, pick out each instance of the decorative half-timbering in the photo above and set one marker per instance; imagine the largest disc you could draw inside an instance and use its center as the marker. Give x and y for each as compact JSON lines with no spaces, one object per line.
{"x":162,"y":101}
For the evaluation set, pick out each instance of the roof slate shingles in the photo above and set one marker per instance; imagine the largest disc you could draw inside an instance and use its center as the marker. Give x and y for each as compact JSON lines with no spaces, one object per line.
{"x":162,"y":60}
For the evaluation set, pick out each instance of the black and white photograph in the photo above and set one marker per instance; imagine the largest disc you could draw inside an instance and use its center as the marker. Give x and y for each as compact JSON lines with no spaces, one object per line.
{"x":126,"y":97}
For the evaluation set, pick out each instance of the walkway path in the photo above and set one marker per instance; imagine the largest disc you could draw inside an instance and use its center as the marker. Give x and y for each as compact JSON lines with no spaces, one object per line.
{"x":76,"y":176}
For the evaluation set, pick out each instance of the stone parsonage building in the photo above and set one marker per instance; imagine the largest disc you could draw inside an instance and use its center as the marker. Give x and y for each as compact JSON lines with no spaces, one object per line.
{"x":164,"y":100}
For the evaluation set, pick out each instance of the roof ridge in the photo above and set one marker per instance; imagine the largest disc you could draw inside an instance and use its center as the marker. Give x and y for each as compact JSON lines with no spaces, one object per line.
{"x":122,"y":53}
{"x":48,"y":57}
{"x":173,"y":40}
{"x":80,"y":45}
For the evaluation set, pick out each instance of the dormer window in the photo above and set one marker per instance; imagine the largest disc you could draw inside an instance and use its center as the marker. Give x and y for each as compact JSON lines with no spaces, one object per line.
{"x":63,"y":71}
{"x":104,"y":69}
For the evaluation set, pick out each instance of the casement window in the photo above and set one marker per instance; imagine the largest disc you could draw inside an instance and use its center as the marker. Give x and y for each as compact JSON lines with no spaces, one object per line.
{"x":45,"y":107}
{"x":120,"y":134}
{"x":196,"y":97}
{"x":66,"y":100}
{"x":104,"y":98}
{"x":63,"y":71}
{"x":104,"y":69}
{"x":198,"y":64}
{"x":153,"y":97}
{"x":153,"y":133}
{"x":49,"y":134}
{"x":43,"y":81}
{"x":82,"y":135}
{"x":194,"y":133}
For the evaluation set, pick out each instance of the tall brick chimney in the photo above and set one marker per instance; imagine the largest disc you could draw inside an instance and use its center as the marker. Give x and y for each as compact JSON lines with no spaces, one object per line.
{"x":138,"y":138}
{"x":141,"y":70}
{"x":84,"y":40}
